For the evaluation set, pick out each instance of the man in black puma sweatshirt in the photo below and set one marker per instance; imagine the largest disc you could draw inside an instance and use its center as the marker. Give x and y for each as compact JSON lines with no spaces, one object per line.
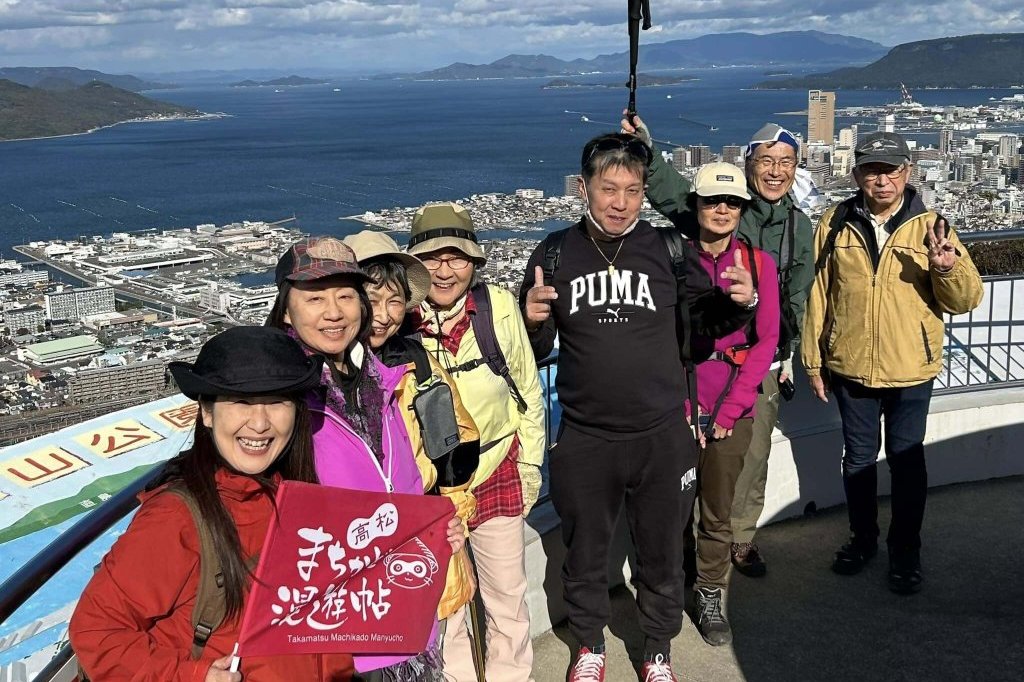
{"x":624,"y":437}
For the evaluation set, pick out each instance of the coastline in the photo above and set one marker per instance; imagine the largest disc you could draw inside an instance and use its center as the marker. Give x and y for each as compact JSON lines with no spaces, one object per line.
{"x":183,"y":117}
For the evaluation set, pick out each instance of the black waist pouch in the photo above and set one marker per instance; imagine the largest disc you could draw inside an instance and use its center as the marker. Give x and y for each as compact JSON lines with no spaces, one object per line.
{"x":435,"y":412}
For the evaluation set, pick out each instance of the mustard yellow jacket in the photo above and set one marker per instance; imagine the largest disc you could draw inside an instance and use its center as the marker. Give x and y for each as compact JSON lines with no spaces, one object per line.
{"x":879,"y":321}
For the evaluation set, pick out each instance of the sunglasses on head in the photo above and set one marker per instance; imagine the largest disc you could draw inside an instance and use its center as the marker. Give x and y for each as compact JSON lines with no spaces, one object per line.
{"x":613,"y":144}
{"x":727,"y":199}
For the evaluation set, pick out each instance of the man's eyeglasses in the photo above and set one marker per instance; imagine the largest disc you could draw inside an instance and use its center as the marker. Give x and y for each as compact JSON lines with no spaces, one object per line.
{"x":727,"y":199}
{"x":766,"y":162}
{"x":872,"y":174}
{"x":613,"y":144}
{"x":453,"y":262}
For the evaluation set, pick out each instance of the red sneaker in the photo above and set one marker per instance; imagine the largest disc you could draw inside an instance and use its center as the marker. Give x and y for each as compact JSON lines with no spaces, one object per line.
{"x":657,"y":670}
{"x":589,"y":667}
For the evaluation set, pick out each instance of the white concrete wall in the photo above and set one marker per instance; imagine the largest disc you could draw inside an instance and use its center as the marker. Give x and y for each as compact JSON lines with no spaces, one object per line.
{"x":971,"y":437}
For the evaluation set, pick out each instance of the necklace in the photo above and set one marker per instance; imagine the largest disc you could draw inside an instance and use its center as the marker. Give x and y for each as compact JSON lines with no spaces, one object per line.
{"x":611,"y":262}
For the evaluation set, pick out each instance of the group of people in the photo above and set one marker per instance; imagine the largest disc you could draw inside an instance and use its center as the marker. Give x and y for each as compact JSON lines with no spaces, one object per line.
{"x":674,"y":346}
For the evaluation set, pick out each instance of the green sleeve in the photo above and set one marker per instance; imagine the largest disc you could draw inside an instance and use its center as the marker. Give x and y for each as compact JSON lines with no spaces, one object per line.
{"x":667,"y":190}
{"x":802,"y":272}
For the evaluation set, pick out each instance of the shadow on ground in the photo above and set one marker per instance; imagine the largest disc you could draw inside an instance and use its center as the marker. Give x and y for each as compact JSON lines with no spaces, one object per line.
{"x":804,"y":623}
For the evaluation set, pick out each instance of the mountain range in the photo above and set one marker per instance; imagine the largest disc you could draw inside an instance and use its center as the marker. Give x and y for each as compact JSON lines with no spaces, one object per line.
{"x":723,"y":49}
{"x":48,"y":76}
{"x":984,"y":60}
{"x":27,"y":112}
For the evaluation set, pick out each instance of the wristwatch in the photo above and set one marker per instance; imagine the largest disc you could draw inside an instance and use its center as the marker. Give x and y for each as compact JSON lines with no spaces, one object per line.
{"x":753,"y":302}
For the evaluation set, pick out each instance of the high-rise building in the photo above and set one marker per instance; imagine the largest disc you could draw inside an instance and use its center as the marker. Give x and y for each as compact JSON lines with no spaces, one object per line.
{"x":1008,"y":145}
{"x":848,"y":137}
{"x":571,"y":186}
{"x":821,"y":116}
{"x":699,"y":155}
{"x":732,"y":153}
{"x":946,"y":141}
{"x":887,"y":123}
{"x":680,"y":158}
{"x":77,"y":303}
{"x":1020,"y":172}
{"x":964,"y":170}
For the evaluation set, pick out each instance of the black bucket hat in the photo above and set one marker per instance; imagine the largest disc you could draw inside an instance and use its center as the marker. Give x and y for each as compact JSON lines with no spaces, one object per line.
{"x":248,"y":361}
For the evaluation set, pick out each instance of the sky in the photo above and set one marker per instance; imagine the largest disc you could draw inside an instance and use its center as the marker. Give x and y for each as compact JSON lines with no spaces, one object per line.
{"x":366,"y":36}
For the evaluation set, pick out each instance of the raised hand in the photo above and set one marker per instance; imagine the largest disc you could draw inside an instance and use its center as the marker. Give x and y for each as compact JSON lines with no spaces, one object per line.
{"x":637,"y":128}
{"x":538,"y":300}
{"x":941,"y":252}
{"x":742,"y":288}
{"x":220,"y":671}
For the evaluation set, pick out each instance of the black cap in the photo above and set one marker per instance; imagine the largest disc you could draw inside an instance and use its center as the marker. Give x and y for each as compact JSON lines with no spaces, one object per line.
{"x":888,"y":148}
{"x":248,"y":361}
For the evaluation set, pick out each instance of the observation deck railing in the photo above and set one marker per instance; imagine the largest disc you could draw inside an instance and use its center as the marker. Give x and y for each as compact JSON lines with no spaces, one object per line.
{"x":984,"y":349}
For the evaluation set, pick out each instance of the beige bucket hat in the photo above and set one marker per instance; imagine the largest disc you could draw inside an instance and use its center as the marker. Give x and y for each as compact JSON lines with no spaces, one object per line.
{"x":445,"y":225}
{"x":369,"y":244}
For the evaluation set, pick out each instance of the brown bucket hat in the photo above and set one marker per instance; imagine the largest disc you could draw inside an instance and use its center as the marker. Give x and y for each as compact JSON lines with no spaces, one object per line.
{"x":441,"y":226}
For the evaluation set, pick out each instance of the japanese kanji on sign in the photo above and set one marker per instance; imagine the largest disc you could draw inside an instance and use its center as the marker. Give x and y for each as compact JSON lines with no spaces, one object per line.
{"x":347,"y":571}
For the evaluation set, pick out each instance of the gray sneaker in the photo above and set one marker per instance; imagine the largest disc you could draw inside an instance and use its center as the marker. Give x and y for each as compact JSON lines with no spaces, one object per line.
{"x":710,"y":621}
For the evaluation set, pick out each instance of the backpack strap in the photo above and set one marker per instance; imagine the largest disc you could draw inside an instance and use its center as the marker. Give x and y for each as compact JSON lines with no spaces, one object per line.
{"x":677,"y":257}
{"x":752,"y":262}
{"x":553,"y":254}
{"x":487,"y":340}
{"x":786,"y":250}
{"x":421,"y":363}
{"x":835,"y":226}
{"x":210,"y":607}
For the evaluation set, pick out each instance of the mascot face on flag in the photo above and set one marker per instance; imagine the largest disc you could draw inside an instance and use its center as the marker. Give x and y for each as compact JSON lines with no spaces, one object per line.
{"x":413,"y":568}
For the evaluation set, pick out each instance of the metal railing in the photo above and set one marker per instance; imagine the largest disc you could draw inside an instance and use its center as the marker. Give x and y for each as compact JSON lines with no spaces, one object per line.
{"x":984,"y":349}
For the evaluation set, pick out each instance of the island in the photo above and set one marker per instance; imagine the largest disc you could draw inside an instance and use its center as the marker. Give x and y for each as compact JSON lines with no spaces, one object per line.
{"x":33,"y":112}
{"x":287,"y":81}
{"x":642,"y":79}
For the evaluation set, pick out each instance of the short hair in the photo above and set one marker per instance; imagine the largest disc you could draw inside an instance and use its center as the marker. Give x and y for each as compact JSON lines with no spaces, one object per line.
{"x":615,"y":150}
{"x":386,"y":271}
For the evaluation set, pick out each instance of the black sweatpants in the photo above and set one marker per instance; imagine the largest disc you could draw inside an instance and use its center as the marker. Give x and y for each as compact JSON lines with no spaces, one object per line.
{"x":591,"y":478}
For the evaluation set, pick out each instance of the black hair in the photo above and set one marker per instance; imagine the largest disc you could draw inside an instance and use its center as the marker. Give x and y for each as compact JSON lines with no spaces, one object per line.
{"x":195,"y":469}
{"x":614,"y":150}
{"x":387,"y":271}
{"x":280,"y":307}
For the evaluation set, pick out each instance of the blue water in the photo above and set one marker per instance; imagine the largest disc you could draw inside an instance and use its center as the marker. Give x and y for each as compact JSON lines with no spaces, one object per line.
{"x":319,"y":154}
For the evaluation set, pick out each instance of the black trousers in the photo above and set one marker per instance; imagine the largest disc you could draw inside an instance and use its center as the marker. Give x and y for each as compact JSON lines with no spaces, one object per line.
{"x":654,"y":477}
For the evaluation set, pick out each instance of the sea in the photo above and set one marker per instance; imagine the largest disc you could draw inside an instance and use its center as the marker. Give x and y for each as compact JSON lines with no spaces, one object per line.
{"x":322,"y":152}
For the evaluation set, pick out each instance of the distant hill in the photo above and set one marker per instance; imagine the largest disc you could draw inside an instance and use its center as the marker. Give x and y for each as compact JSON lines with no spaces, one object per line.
{"x":33,"y":76}
{"x":988,"y":60}
{"x":642,"y":79}
{"x":723,"y":49}
{"x":287,"y":81}
{"x":36,"y":112}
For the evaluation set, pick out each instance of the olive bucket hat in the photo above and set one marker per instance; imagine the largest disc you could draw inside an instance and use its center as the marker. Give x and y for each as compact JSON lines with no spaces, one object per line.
{"x":443,"y":226}
{"x":248,"y":361}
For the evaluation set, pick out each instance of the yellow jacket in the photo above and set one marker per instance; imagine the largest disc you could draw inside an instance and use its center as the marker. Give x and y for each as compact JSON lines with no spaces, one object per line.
{"x":487,"y":396}
{"x":882,"y":325}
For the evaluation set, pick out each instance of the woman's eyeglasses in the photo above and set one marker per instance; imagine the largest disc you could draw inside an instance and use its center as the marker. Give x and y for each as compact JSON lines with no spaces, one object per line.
{"x":727,"y":199}
{"x":453,"y":262}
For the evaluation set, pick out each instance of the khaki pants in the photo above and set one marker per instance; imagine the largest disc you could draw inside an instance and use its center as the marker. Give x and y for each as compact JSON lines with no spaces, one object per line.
{"x":748,"y":502}
{"x":499,"y":550}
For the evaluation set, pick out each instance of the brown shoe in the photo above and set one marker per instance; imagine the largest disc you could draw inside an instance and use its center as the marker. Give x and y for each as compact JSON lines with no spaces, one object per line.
{"x":747,"y":560}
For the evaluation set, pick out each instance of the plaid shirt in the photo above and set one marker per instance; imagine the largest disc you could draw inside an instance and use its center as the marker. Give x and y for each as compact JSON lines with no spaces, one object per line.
{"x":502,"y":493}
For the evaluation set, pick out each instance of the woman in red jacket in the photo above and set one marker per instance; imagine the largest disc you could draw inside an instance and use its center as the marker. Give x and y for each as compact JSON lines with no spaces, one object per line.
{"x":134,"y":620}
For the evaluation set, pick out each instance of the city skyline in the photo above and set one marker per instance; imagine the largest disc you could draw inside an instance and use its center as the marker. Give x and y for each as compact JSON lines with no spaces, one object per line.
{"x":153,"y":36}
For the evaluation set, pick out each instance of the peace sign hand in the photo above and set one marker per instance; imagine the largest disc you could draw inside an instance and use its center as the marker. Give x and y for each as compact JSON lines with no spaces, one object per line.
{"x":742,"y":288}
{"x":941,"y":253}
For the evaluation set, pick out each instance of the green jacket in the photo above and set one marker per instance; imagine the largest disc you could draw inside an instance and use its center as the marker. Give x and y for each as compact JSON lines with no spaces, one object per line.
{"x":762,"y":225}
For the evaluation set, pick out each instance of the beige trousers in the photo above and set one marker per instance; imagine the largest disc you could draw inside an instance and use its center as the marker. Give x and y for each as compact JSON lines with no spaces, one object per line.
{"x":500,"y":554}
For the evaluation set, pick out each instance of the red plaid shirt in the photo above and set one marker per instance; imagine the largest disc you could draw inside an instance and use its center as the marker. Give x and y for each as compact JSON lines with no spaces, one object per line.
{"x":502,"y":493}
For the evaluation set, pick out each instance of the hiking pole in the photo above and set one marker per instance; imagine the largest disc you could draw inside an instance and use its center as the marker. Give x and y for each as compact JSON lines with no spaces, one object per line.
{"x":638,"y":10}
{"x":474,"y":617}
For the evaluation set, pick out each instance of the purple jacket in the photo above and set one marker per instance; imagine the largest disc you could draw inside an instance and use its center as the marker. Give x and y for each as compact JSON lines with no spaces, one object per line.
{"x":713,"y":375}
{"x":344,"y":460}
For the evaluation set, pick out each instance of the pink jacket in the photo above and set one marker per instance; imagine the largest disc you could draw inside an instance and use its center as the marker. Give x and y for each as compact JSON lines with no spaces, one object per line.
{"x":713,"y":374}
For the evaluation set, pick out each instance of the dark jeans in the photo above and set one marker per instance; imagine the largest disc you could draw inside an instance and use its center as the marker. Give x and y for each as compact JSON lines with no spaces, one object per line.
{"x":654,"y":477}
{"x":906,"y":418}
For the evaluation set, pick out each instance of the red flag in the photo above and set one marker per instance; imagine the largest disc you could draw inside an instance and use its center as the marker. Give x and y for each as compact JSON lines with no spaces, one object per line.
{"x":346,"y":571}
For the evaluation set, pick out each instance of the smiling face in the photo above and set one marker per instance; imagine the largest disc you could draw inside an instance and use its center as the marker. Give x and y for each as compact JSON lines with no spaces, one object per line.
{"x":326,"y":314}
{"x":250,"y":433}
{"x":451,"y":273}
{"x":771,"y":170}
{"x":387,"y":303}
{"x":614,"y":198}
{"x":717,"y":217}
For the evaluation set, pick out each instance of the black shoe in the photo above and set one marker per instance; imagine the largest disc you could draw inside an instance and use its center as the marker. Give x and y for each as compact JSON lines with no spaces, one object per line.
{"x":905,"y":571}
{"x":748,"y":560}
{"x":711,"y":623}
{"x":852,"y":557}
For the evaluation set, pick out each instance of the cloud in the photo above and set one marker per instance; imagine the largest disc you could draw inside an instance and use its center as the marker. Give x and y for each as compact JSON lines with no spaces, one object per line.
{"x":167,"y":34}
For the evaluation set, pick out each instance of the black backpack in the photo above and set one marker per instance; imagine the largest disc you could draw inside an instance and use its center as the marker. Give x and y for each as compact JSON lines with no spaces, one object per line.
{"x":692,"y":348}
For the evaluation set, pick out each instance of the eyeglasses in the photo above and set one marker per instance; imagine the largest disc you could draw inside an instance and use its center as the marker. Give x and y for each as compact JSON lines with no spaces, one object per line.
{"x":727,"y":199}
{"x":766,"y":162}
{"x":631,"y":145}
{"x":453,"y":262}
{"x":871,"y":175}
